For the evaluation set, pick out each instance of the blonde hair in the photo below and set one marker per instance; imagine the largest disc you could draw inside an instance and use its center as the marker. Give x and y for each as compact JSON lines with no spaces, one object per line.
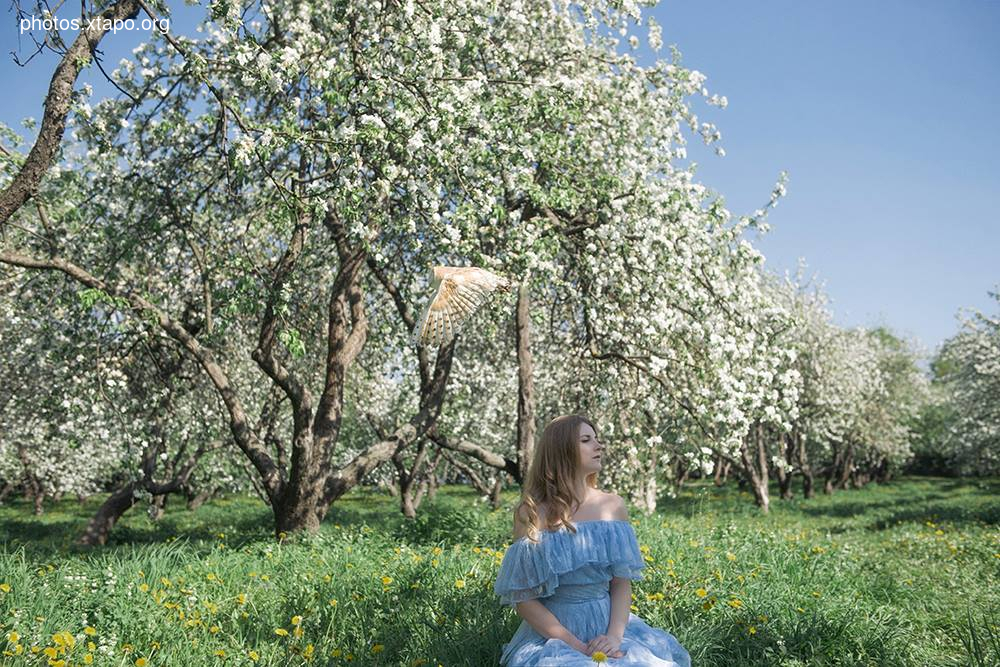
{"x":552,"y":474}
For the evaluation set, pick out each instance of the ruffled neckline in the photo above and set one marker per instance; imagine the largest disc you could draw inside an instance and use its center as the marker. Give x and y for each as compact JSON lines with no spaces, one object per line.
{"x":576,"y":524}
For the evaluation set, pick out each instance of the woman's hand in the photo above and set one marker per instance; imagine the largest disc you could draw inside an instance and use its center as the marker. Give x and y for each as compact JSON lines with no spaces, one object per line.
{"x":607,"y":644}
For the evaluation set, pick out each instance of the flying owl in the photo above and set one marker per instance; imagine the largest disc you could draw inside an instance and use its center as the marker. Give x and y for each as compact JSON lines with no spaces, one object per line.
{"x":459,"y":291}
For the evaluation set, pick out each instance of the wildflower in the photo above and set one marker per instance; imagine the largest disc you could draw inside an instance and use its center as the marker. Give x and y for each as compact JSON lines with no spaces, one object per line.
{"x":701,"y":592}
{"x":730,"y":556}
{"x":214,"y":629}
{"x":241,"y":598}
{"x":815,"y":594}
{"x":220,"y":654}
{"x":386,"y":581}
{"x":88,"y":659}
{"x":378,"y":648}
{"x":281,"y":632}
{"x":307,"y":653}
{"x":141,"y":662}
{"x":752,"y":630}
{"x":333,"y":602}
{"x":735,"y":603}
{"x":253,"y":655}
{"x":12,"y":637}
{"x":460,"y":583}
{"x":599,"y":657}
{"x":296,"y":620}
{"x":5,"y":587}
{"x":335,"y":653}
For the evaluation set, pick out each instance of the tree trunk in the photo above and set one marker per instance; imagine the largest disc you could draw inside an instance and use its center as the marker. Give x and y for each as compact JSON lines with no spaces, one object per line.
{"x":847,"y":467}
{"x":721,"y":472}
{"x":784,"y":473}
{"x":808,"y":482}
{"x":834,"y":468}
{"x":753,"y":455}
{"x":525,"y":382}
{"x":495,"y":494}
{"x":158,"y":506}
{"x":100,"y":525}
{"x":196,"y":500}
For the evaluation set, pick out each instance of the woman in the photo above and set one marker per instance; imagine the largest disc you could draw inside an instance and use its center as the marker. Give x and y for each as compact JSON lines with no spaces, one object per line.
{"x":570,"y":541}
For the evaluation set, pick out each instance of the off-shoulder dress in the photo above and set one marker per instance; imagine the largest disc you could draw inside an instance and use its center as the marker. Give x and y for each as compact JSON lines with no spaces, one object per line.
{"x":570,"y":573}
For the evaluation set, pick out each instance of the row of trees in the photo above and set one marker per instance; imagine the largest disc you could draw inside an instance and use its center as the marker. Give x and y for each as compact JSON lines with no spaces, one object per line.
{"x":209,"y":284}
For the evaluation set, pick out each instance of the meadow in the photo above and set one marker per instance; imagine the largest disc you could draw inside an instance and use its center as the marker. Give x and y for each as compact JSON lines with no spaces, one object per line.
{"x":902,"y":574}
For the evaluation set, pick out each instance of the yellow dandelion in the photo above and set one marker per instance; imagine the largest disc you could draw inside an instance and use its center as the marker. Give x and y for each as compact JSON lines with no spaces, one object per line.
{"x":88,"y":659}
{"x":335,"y":653}
{"x":12,"y":637}
{"x":460,"y":583}
{"x":220,"y":654}
{"x":599,"y":657}
{"x":144,"y":587}
{"x":296,"y":620}
{"x":141,"y":662}
{"x":386,"y":581}
{"x":333,"y":602}
{"x":253,"y":655}
{"x":752,"y":630}
{"x":701,"y":592}
{"x":816,"y":594}
{"x":307,"y":652}
{"x":214,"y":629}
{"x":730,"y":556}
{"x":735,"y":603}
{"x":241,"y":598}
{"x":281,"y":632}
{"x":378,"y":648}
{"x":5,"y":587}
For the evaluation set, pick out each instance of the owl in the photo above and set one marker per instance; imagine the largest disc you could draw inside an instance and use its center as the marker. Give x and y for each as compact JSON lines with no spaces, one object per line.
{"x":458,"y":292}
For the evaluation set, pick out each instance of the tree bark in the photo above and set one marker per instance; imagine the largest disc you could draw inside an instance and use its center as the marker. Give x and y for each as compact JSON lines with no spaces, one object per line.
{"x":721,"y":471}
{"x":99,"y":527}
{"x":525,"y":382}
{"x":57,"y":102}
{"x":753,"y":456}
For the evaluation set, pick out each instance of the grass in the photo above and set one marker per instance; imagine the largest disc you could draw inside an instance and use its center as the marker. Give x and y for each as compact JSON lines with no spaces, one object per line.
{"x":902,"y":574}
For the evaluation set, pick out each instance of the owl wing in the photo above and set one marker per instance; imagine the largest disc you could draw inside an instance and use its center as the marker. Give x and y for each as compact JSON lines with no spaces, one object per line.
{"x":459,"y":294}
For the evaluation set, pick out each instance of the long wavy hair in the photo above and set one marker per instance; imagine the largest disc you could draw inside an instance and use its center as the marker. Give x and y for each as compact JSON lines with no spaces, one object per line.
{"x":551,"y":474}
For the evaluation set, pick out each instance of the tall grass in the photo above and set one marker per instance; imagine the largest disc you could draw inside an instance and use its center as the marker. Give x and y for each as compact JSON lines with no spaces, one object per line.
{"x":902,"y":574}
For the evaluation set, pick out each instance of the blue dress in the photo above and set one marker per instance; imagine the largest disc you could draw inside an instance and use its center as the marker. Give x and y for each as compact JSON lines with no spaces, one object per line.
{"x":570,"y":574}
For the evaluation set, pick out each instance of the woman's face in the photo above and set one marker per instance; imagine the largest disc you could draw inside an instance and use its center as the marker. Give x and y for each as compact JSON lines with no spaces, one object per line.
{"x":591,"y":449}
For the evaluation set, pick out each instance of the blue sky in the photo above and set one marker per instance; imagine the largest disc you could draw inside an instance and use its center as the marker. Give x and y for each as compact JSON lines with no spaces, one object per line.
{"x":883,"y":113}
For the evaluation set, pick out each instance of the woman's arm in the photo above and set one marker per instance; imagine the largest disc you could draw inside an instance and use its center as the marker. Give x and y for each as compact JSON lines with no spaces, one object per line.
{"x":620,"y":589}
{"x":547,"y":625}
{"x":621,"y":602}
